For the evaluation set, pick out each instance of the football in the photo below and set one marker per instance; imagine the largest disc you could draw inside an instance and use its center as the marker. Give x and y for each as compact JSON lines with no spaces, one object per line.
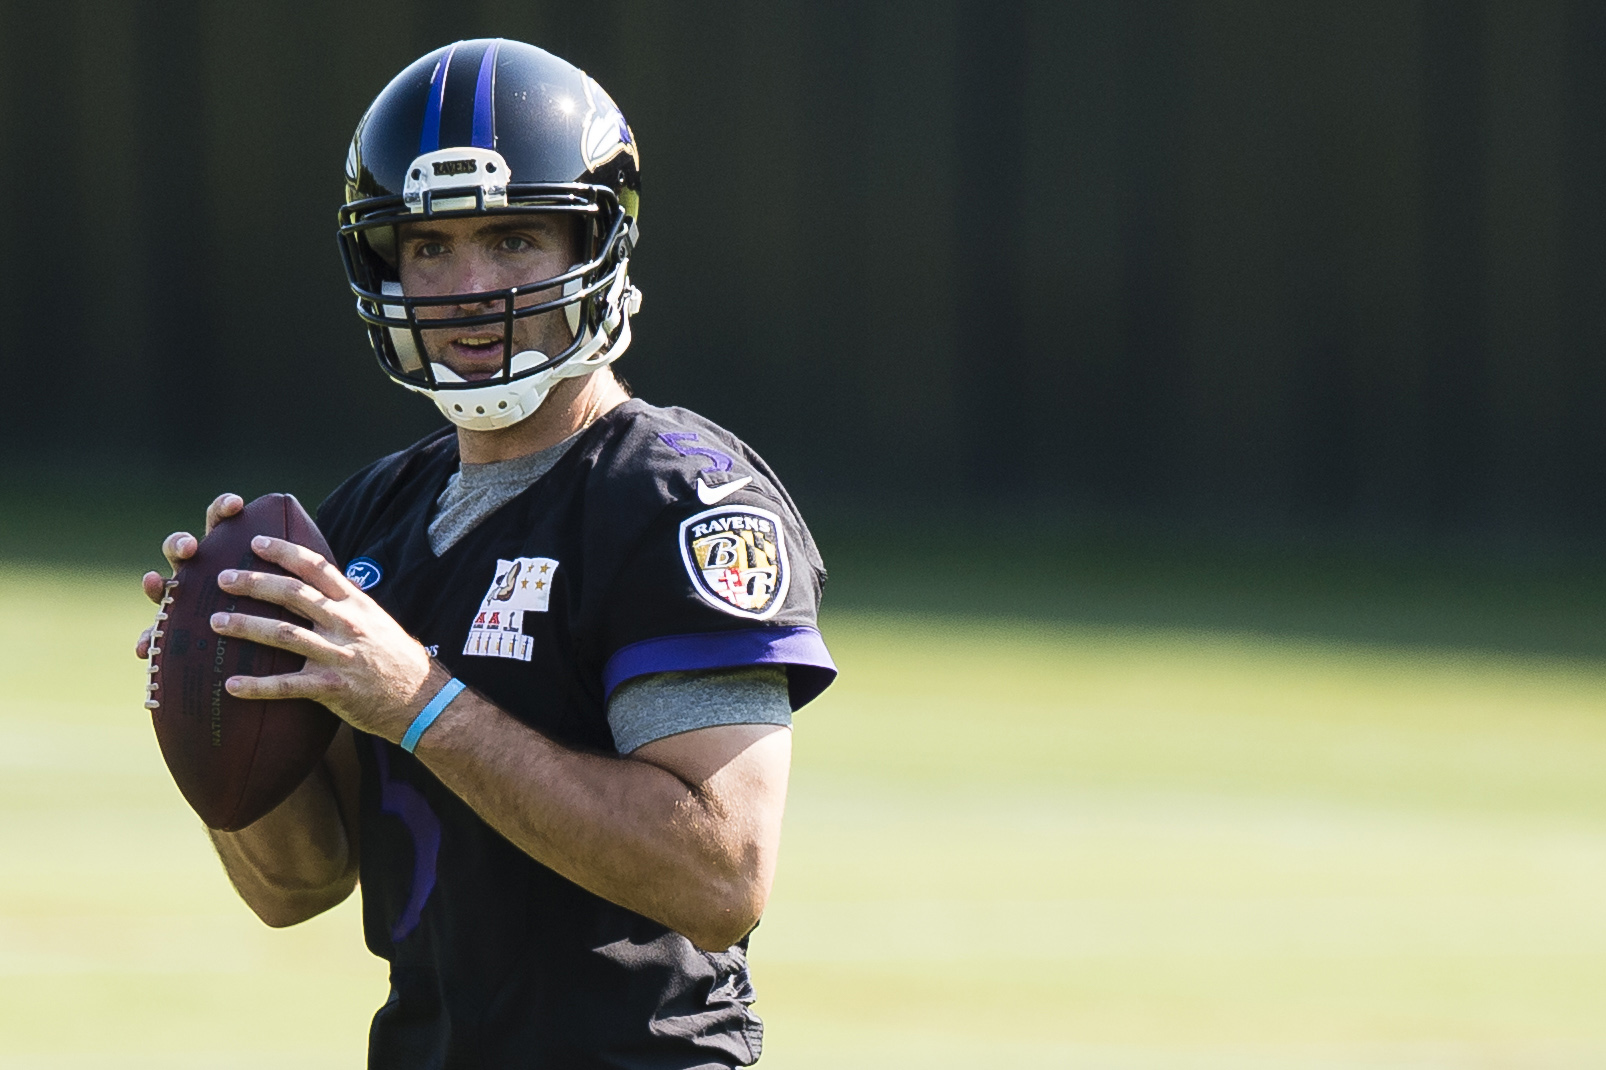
{"x":233,"y":759}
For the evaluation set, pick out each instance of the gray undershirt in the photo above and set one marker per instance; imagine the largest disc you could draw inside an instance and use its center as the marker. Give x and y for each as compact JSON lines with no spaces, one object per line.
{"x":644,"y":708}
{"x":475,"y":491}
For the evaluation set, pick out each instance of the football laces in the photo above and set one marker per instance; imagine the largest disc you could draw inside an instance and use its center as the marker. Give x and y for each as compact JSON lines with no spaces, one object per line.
{"x":151,"y":686}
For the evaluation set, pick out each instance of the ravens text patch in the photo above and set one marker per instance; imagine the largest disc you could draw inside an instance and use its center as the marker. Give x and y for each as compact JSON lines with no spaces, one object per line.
{"x":736,"y":557}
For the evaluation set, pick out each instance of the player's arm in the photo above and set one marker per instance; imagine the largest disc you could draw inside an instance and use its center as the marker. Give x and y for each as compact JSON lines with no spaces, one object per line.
{"x":300,"y":859}
{"x":685,"y":830}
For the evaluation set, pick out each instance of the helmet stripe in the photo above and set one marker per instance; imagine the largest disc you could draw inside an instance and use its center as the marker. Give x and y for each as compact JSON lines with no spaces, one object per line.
{"x":430,"y":138}
{"x":485,"y":100}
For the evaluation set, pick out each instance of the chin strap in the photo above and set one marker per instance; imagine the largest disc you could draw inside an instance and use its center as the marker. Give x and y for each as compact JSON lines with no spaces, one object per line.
{"x":622,"y":302}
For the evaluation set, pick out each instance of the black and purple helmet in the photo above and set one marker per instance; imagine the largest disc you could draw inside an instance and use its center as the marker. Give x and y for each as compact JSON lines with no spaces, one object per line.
{"x":493,"y":127}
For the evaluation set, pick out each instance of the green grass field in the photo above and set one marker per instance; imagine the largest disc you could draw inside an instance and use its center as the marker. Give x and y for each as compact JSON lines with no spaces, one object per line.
{"x":1158,"y":840}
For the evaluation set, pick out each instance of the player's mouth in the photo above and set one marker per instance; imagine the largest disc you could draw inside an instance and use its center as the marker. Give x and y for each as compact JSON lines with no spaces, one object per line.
{"x":479,"y":355}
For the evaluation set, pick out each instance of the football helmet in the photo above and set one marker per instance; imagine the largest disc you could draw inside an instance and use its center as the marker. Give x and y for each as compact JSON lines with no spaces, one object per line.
{"x":493,"y":127}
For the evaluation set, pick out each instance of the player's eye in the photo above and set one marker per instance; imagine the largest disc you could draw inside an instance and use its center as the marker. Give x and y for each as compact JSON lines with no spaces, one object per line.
{"x":515,"y":243}
{"x":429,"y":249}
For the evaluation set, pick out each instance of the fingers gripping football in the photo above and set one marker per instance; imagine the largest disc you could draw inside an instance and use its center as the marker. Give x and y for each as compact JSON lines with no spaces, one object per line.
{"x":277,"y":633}
{"x":181,"y":545}
{"x":360,"y":663}
{"x":224,"y":505}
{"x":176,"y":549}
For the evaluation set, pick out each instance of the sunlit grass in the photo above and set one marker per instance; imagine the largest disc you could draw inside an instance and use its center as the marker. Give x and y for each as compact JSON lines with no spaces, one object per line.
{"x":1007,"y":845}
{"x":1044,"y":846}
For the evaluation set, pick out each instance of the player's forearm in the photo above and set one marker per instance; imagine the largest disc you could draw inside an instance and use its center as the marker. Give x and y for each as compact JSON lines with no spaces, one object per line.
{"x":294,"y":862}
{"x":626,"y":830}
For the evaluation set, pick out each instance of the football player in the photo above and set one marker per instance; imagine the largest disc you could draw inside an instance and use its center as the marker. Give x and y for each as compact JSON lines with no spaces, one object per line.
{"x":566,"y":634}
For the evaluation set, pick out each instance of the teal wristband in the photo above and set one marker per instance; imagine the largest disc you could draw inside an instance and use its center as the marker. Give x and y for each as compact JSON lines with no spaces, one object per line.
{"x":427,"y":715}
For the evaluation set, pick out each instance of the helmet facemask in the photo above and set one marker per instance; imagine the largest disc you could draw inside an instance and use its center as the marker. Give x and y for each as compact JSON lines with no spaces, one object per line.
{"x":594,"y":294}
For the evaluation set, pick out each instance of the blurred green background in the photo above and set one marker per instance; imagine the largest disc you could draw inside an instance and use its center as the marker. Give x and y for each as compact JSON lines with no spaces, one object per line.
{"x":1198,"y":405}
{"x":1137,"y":808}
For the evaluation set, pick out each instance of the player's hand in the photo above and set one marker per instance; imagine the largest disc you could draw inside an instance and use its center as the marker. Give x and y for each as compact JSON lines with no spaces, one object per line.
{"x":178,"y":548}
{"x":361,"y":664}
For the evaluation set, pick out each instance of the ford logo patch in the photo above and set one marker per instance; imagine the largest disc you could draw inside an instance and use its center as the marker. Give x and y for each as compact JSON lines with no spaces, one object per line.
{"x":364,"y":572}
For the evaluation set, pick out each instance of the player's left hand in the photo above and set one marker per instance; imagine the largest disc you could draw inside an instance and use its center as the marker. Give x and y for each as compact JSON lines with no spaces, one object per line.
{"x":361,"y":664}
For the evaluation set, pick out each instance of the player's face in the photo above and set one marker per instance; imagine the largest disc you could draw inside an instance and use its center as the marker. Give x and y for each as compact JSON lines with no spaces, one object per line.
{"x":473,"y":255}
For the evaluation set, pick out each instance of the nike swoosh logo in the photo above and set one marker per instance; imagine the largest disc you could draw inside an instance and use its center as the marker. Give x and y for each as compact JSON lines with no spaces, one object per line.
{"x":714,"y":495}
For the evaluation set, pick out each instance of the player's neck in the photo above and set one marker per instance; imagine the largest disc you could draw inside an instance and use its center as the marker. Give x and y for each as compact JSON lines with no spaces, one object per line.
{"x":572,"y":405}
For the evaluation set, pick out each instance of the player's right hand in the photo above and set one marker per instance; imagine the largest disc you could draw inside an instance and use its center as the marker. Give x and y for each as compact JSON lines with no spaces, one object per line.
{"x":177,"y":548}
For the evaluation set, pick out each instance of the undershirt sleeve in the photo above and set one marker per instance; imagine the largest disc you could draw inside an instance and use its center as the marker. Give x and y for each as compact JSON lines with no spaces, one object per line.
{"x":661,"y":704}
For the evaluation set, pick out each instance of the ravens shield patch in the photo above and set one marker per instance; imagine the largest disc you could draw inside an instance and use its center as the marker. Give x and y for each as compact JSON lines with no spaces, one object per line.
{"x":736,"y":557}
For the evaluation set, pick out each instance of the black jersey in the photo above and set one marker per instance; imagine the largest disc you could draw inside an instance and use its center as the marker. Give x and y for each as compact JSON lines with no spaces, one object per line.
{"x":658,"y":542}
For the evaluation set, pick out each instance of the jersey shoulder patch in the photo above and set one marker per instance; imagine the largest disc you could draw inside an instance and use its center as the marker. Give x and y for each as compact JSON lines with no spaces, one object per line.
{"x":736,"y":558}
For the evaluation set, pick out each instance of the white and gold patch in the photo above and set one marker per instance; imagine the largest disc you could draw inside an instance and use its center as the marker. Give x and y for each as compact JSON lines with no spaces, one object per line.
{"x":736,"y":557}
{"x":522,"y":585}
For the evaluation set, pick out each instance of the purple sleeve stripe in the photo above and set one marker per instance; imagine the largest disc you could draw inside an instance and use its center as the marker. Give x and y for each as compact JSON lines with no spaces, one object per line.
{"x":802,"y":650}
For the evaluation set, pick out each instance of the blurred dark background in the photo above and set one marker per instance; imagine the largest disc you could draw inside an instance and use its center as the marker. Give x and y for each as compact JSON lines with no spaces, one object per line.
{"x":1335,"y":267}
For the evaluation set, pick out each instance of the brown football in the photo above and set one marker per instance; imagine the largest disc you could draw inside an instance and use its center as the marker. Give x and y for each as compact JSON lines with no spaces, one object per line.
{"x":233,"y":759}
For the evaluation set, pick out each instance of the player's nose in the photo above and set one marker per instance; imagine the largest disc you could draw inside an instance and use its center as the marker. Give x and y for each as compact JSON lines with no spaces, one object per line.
{"x":477,"y":274}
